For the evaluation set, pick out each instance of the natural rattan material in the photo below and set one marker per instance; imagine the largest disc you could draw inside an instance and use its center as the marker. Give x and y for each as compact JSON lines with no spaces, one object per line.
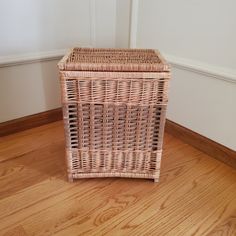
{"x":114,"y":105}
{"x":87,"y":59}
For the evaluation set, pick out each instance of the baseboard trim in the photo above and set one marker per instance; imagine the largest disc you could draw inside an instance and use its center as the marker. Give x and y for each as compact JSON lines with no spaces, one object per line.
{"x":210,"y":147}
{"x":206,"y":145}
{"x":32,"y":121}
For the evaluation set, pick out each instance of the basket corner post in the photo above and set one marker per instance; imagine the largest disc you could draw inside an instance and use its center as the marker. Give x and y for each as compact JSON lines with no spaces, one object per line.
{"x":156,"y":180}
{"x":70,"y":178}
{"x":69,"y":166}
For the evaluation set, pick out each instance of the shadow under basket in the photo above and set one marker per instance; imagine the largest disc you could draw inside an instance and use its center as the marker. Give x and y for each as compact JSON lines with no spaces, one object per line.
{"x":114,"y":106}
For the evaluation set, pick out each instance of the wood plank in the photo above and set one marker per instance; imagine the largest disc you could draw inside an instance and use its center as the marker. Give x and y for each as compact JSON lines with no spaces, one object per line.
{"x":18,"y":144}
{"x":226,"y":228}
{"x":210,"y":147}
{"x":196,"y":194}
{"x":32,"y":168}
{"x":16,"y":231}
{"x":149,"y":217}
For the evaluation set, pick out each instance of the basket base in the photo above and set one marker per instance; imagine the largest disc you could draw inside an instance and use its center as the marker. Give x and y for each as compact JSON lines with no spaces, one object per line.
{"x":155,"y":177}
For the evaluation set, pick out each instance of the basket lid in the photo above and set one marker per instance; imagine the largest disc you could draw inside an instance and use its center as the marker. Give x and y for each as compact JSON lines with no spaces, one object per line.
{"x":98,"y":59}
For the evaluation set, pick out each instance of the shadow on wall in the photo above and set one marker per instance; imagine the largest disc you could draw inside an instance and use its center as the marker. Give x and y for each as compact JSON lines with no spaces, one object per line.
{"x":49,"y":70}
{"x":50,"y":84}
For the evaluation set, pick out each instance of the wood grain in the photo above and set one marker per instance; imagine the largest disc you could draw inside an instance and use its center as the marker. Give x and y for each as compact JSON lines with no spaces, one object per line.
{"x":17,"y":231}
{"x":27,"y":122}
{"x":196,"y":194}
{"x":210,"y":147}
{"x":227,"y":227}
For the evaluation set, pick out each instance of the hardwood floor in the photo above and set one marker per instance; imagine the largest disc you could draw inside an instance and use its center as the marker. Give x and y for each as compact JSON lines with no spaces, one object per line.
{"x":196,"y":194}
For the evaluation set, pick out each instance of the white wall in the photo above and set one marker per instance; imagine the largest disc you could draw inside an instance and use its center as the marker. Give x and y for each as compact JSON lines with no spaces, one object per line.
{"x":28,"y":89}
{"x":205,"y":105}
{"x":198,"y":37}
{"x":204,"y":31}
{"x":123,"y":8}
{"x":34,"y":34}
{"x":40,"y":25}
{"x":105,"y":23}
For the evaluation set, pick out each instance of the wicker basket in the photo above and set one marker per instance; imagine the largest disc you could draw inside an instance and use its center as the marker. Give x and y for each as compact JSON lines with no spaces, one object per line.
{"x":114,"y":105}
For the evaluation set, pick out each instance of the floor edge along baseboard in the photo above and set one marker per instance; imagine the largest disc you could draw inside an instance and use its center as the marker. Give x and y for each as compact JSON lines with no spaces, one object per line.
{"x":28,"y":122}
{"x":204,"y":144}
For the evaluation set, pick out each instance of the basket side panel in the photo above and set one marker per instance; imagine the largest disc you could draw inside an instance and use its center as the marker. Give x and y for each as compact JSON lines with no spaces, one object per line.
{"x":114,"y":124}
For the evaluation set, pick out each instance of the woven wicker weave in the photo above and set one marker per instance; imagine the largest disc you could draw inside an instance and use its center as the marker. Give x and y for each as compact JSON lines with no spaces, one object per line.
{"x":114,"y":105}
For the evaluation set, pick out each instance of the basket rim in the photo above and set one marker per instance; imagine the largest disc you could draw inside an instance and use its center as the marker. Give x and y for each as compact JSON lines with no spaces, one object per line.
{"x":149,"y":66}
